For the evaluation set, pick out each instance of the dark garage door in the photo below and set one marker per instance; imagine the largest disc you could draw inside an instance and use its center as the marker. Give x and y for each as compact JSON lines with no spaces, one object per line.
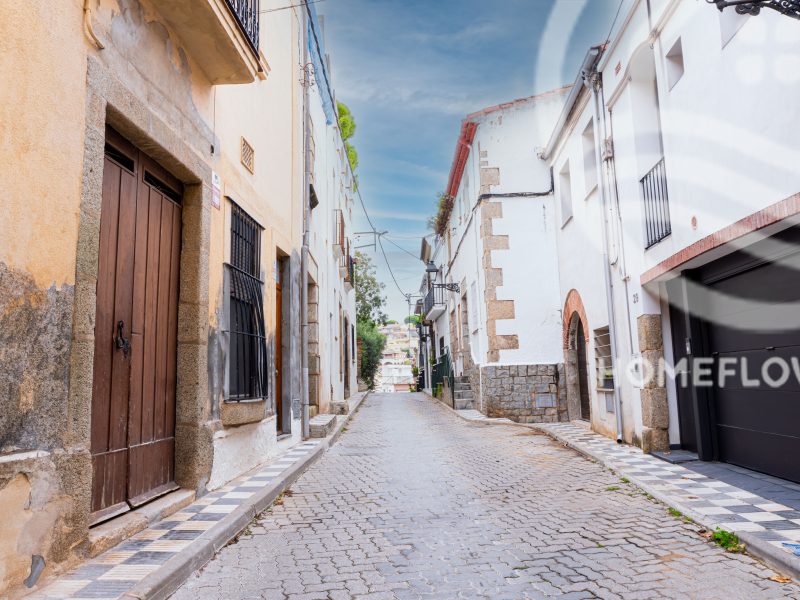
{"x":757,"y":427}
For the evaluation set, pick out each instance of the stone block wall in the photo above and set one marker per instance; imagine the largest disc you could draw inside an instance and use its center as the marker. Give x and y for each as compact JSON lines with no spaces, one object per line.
{"x":655,"y":411}
{"x":525,"y":393}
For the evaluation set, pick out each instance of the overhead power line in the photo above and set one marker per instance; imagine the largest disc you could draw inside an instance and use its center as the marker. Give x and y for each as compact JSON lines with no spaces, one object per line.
{"x":352,"y":173}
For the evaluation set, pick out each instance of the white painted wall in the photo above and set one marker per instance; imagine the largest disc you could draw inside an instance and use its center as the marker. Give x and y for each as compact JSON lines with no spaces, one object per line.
{"x":334,"y":189}
{"x":508,"y":139}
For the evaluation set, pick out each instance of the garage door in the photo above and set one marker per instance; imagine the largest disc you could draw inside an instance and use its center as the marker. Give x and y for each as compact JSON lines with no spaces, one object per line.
{"x":757,"y":419}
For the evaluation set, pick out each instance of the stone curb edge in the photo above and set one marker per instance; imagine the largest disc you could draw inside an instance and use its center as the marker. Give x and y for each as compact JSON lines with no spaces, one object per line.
{"x":165,"y":580}
{"x":780,"y":561}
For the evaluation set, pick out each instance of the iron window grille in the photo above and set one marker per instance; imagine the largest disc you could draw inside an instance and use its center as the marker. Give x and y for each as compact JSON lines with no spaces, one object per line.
{"x":657,"y":223}
{"x":247,"y":364}
{"x":604,"y":361}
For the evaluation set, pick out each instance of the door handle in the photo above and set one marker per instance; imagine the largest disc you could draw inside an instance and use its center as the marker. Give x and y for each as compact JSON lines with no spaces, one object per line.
{"x":120,"y":341}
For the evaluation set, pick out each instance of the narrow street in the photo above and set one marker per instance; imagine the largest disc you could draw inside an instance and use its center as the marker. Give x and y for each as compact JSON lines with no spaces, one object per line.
{"x":413,"y":502}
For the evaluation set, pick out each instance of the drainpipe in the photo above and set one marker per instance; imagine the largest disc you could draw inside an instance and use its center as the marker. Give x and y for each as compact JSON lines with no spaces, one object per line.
{"x":87,"y":24}
{"x":306,"y":235}
{"x":593,"y":82}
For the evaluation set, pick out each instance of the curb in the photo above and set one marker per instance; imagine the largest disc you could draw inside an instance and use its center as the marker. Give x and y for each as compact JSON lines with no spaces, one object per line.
{"x":780,"y":561}
{"x":165,"y":580}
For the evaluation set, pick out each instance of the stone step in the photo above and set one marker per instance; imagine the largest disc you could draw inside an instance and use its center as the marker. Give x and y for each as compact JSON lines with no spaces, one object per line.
{"x":462,"y":387}
{"x":463,"y":395}
{"x":322,"y":425}
{"x":340,"y":408}
{"x":463,"y":404}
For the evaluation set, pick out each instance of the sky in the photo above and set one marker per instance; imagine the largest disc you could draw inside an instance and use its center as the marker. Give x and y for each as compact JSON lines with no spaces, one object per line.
{"x":411,"y":70}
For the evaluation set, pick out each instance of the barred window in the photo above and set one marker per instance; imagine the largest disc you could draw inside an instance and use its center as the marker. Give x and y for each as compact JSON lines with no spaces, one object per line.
{"x":247,"y":356}
{"x":604,"y":360}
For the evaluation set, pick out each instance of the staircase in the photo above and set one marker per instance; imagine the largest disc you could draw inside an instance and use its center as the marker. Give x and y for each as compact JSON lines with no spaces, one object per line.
{"x":462,"y":394}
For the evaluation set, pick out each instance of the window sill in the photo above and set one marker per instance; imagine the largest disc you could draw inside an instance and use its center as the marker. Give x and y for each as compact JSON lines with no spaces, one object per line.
{"x":592,"y":189}
{"x":243,"y":412}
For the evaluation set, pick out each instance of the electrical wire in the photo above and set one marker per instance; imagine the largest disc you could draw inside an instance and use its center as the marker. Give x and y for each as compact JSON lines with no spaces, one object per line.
{"x":411,"y":254}
{"x":270,"y":10}
{"x":380,"y":245}
{"x":352,"y":173}
{"x":614,"y":22}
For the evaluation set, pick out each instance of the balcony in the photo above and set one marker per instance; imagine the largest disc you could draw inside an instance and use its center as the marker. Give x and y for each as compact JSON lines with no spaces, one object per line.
{"x":657,"y":223}
{"x":349,"y":277}
{"x":434,"y":304}
{"x":220,"y":35}
{"x":339,"y":241}
{"x":345,"y":263}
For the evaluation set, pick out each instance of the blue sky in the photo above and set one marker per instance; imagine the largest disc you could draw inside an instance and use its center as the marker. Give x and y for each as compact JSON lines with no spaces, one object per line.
{"x":410,"y":70}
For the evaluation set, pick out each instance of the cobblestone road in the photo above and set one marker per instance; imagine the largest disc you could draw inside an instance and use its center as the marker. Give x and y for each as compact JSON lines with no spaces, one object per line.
{"x":412,"y":502}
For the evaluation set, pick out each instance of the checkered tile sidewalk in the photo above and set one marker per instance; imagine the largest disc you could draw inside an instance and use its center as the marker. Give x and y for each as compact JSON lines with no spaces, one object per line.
{"x":119,"y":569}
{"x":720,"y":504}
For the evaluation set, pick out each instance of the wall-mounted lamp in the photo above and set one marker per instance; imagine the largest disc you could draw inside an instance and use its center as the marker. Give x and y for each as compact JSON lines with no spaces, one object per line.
{"x":430,"y":267}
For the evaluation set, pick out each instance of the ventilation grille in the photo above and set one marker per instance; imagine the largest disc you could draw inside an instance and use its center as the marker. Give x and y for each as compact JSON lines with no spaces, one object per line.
{"x":248,"y":156}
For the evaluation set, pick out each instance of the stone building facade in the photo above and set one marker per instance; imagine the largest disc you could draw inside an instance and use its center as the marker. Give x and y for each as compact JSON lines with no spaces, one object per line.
{"x":136,"y":136}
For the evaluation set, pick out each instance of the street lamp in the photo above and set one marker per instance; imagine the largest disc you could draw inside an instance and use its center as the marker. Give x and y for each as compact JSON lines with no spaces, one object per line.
{"x":790,"y":8}
{"x":430,"y":267}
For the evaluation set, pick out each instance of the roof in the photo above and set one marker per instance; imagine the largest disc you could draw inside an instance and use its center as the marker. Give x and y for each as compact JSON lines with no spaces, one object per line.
{"x":469,"y":127}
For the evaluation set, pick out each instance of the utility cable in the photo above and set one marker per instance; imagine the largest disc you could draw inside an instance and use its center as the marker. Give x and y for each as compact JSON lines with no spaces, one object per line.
{"x":398,"y":246}
{"x":352,"y":173}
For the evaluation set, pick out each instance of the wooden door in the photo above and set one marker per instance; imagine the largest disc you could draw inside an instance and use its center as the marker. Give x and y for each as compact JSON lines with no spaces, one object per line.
{"x":583,"y":374}
{"x":133,"y":402}
{"x":278,"y":357}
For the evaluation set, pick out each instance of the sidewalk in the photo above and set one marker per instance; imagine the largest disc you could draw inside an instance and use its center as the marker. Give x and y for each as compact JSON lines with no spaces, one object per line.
{"x":770,"y":530}
{"x":154,"y":562}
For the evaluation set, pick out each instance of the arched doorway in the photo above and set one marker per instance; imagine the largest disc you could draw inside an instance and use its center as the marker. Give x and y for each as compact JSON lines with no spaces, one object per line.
{"x":583,"y":370}
{"x":576,"y":359}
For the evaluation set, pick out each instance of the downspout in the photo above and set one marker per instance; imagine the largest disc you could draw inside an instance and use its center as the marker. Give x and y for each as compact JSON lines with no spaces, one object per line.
{"x":592,"y":80}
{"x":87,"y":25}
{"x":306,"y":235}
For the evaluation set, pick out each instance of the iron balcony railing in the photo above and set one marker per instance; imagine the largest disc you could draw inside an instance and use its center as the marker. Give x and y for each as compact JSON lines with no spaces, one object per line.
{"x":434,"y":298}
{"x":657,"y":224}
{"x":246,"y":13}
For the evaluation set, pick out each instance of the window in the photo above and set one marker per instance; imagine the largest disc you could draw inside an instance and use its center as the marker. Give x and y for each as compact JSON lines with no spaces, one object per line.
{"x":473,"y":306}
{"x":675,"y":63}
{"x":247,"y":357}
{"x":565,"y":193}
{"x":603,"y":359}
{"x":589,"y":157}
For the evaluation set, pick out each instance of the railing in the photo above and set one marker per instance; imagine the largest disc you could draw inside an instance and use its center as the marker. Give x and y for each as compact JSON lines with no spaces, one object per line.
{"x":339,"y":240}
{"x":350,"y":264}
{"x":434,"y":297}
{"x":443,"y":370}
{"x":246,"y":13}
{"x":657,"y":224}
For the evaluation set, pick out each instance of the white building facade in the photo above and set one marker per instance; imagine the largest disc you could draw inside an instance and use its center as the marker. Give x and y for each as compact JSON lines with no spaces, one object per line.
{"x":674,"y":240}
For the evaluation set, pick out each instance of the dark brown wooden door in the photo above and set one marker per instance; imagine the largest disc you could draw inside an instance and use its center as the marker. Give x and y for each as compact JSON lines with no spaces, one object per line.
{"x":133,"y":403}
{"x":583,"y":374}
{"x":278,"y":358}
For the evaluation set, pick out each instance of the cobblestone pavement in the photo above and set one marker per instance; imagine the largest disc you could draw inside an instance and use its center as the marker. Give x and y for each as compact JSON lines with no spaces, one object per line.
{"x":413,"y":502}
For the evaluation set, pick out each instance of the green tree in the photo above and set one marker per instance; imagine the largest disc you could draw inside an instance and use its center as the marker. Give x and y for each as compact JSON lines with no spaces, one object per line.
{"x":347,"y":124}
{"x":369,"y":314}
{"x":369,"y":292}
{"x":371,"y":345}
{"x":413,"y":319}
